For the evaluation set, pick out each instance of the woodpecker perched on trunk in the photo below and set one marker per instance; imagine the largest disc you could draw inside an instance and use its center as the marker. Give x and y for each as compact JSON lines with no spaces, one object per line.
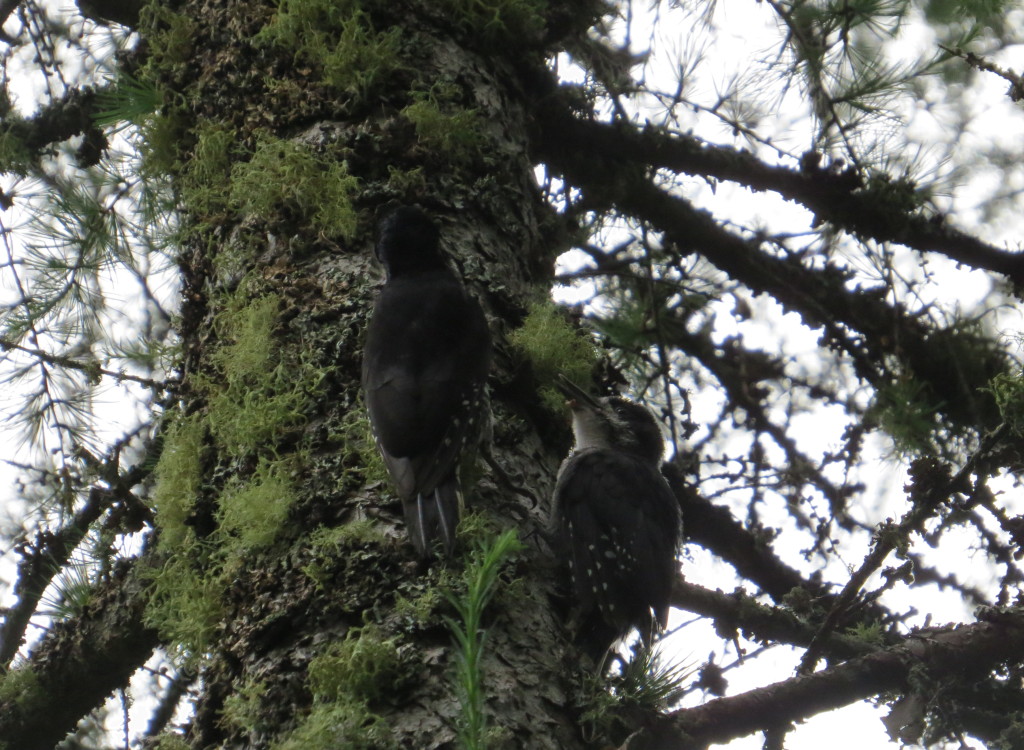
{"x":616,"y":522}
{"x":425,"y":364}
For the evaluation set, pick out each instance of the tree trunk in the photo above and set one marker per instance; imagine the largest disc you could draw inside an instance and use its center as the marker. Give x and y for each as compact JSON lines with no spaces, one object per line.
{"x":284,"y":548}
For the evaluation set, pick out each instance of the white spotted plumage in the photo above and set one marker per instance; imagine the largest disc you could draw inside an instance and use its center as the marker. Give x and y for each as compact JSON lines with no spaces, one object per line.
{"x":616,"y":522}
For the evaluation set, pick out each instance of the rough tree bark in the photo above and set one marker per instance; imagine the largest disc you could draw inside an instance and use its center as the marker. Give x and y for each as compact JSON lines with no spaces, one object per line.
{"x":319,"y":283}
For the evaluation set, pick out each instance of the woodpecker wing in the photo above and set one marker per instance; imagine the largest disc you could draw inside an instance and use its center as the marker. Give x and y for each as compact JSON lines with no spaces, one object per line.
{"x":424,"y":370}
{"x":619,"y":523}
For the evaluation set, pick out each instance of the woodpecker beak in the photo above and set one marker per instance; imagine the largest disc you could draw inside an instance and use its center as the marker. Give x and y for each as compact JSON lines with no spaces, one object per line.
{"x":576,"y":398}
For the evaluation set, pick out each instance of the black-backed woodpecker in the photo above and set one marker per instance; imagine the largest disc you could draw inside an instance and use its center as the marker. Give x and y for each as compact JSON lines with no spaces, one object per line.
{"x":425,"y":365}
{"x":615,"y":521}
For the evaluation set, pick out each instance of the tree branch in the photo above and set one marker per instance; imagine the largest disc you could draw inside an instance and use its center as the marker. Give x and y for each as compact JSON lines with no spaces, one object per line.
{"x":1016,"y":90}
{"x":714,"y":528}
{"x":822,"y":297}
{"x":760,"y":623}
{"x":734,"y":368}
{"x":59,"y":120}
{"x":961,"y":652}
{"x":929,"y":488}
{"x":717,"y":530}
{"x":43,"y":560}
{"x":7,"y":7}
{"x":840,"y":198}
{"x":124,"y":12}
{"x":81,"y":661}
{"x":39,"y":563}
{"x":92,"y":369}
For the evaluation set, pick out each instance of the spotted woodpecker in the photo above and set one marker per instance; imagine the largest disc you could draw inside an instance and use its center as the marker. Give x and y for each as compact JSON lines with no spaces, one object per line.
{"x":615,"y":521}
{"x":425,"y":365}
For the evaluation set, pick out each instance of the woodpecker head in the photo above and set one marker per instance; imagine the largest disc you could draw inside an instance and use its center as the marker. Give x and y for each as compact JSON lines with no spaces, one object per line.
{"x":613,"y":422}
{"x":407,"y":242}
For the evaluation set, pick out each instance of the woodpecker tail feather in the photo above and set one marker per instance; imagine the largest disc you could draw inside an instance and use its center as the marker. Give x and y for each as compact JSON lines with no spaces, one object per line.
{"x":448,"y":506}
{"x":433,"y":517}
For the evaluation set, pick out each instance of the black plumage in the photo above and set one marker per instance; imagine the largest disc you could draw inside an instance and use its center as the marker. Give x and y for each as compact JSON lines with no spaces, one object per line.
{"x":425,"y":365}
{"x":616,"y":522}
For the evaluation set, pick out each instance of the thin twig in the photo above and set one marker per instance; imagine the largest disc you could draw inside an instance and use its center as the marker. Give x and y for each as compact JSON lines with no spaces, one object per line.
{"x":92,"y":369}
{"x":885,"y":543}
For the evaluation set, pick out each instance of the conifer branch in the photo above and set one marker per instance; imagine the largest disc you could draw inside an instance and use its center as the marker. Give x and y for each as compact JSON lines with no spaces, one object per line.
{"x":959,"y":652}
{"x":841,"y":198}
{"x":91,"y":369}
{"x":81,"y":661}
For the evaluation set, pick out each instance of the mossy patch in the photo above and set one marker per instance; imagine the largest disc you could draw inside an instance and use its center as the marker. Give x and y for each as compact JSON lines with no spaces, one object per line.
{"x":262,"y":393}
{"x":342,"y":573}
{"x":338,"y":39}
{"x":255,"y":391}
{"x":355,"y":437}
{"x":206,"y":180}
{"x":289,"y":176}
{"x":1008,"y":391}
{"x":904,"y":411}
{"x":475,"y":528}
{"x":161,"y":136}
{"x":20,"y":687}
{"x":499,"y":20}
{"x":245,"y":421}
{"x":332,"y":541}
{"x":346,"y":724}
{"x":14,"y":156}
{"x":184,"y":603}
{"x":365,"y":667}
{"x":422,"y":609}
{"x":444,"y":127}
{"x":362,"y":58}
{"x":252,"y":512}
{"x":408,"y":182}
{"x":251,"y":326}
{"x":553,"y":347}
{"x":170,"y":38}
{"x":169,"y":741}
{"x":179,"y":475}
{"x":872,"y":633}
{"x":344,"y":679}
{"x":242,"y":709}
